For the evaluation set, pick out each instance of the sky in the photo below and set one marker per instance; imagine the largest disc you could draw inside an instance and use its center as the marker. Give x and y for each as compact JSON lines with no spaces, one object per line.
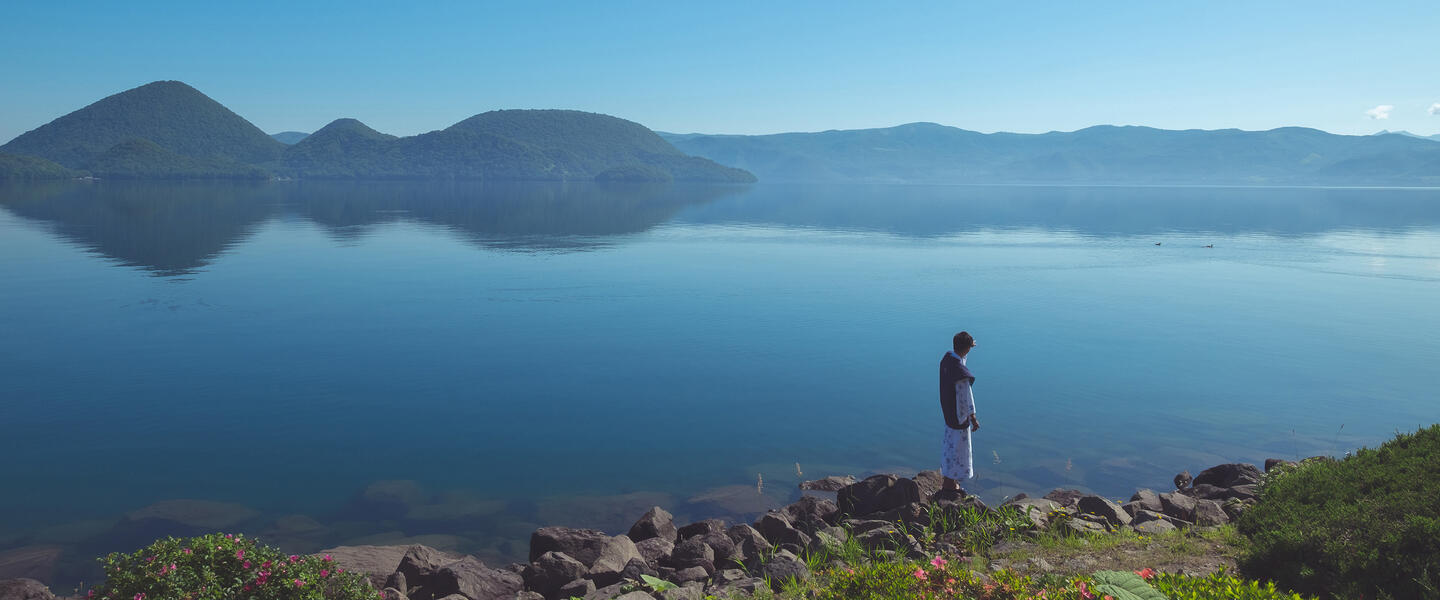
{"x":745,"y":67}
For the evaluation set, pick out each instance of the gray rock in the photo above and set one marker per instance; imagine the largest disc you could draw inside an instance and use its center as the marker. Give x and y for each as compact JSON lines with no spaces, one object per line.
{"x":683,"y":593}
{"x":1145,"y":516}
{"x":875,"y":494}
{"x":742,"y":588}
{"x":810,"y":513}
{"x":605,"y":593}
{"x":1083,"y":526}
{"x":471,"y":578}
{"x":527,"y":595}
{"x":929,"y":483}
{"x":1154,"y":527}
{"x":1209,"y":512}
{"x":1182,"y":480}
{"x":1103,"y":507}
{"x":655,"y":523}
{"x":396,"y":581}
{"x":701,"y":528}
{"x":1247,"y":491}
{"x":552,"y":571}
{"x":725,"y":551}
{"x":635,"y":595}
{"x":749,"y":542}
{"x":832,"y":483}
{"x":583,"y":545}
{"x":390,"y":593}
{"x":655,"y":550}
{"x":773,"y":525}
{"x":784,"y":567}
{"x":376,"y":562}
{"x":1178,"y":505}
{"x":421,"y":569}
{"x":24,"y":589}
{"x":1037,"y":510}
{"x":914,"y":513}
{"x":1145,"y":499}
{"x":883,"y":537}
{"x":1065,"y":497}
{"x":614,"y":556}
{"x":691,"y":550}
{"x":690,"y":574}
{"x":1229,"y":475}
{"x":635,"y":568}
{"x":1235,"y":507}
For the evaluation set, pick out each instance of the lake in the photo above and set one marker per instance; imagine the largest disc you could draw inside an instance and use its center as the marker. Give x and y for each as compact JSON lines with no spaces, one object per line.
{"x":459,"y":363}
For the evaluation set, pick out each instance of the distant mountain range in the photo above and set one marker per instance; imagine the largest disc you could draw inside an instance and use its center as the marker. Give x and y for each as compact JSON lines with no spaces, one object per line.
{"x":931,"y":153}
{"x":169,"y":130}
{"x":1435,"y":137}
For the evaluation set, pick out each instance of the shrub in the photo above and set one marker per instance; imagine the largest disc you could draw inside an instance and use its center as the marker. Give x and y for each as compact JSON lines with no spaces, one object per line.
{"x":938,"y":578}
{"x":226,"y":567}
{"x":1367,"y":526}
{"x":1217,"y":587}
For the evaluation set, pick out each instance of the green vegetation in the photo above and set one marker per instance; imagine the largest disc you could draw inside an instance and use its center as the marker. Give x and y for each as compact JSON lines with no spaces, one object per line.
{"x":15,"y":166}
{"x":1218,"y":585}
{"x":224,"y":567}
{"x":169,"y":114}
{"x":1366,"y":526}
{"x":144,"y":159}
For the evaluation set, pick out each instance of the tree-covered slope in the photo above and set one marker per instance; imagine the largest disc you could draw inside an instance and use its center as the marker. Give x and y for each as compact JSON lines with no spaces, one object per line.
{"x":19,"y":166}
{"x":926,"y":152}
{"x":169,"y":114}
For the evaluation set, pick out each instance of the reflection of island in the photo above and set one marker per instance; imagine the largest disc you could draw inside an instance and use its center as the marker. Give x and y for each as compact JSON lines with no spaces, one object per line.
{"x":929,"y":211}
{"x":176,"y":228}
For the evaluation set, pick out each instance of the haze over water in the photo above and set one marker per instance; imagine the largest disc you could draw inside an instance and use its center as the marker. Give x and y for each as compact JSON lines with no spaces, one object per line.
{"x":546,"y":353}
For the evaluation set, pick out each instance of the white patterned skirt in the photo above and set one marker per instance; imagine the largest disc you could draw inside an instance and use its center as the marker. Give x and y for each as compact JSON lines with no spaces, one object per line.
{"x":955,"y":460}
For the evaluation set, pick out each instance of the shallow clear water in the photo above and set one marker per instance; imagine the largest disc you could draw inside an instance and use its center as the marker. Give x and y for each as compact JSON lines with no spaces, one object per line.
{"x":570,"y":353}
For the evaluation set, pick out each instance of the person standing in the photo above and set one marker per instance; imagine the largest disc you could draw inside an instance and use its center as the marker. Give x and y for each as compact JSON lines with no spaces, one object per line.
{"x":957,"y":403}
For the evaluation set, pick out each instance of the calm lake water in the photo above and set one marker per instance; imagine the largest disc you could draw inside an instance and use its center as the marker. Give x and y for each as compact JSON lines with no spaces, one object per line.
{"x":531,"y":354}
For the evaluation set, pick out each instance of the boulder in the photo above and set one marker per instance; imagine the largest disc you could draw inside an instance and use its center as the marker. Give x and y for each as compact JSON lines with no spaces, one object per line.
{"x":24,"y":589}
{"x":749,"y":542}
{"x":472,"y":579}
{"x":810,"y":513}
{"x":726,"y":553}
{"x":1104,"y":508}
{"x":655,"y":550}
{"x":1234,"y":507}
{"x":1271,"y":463}
{"x":1178,"y":505}
{"x":883,"y":537}
{"x":1073,"y":526}
{"x":375,"y":561}
{"x":744,"y":588}
{"x":1145,"y":499}
{"x":1247,"y":491}
{"x":691,"y":574}
{"x":527,"y":595}
{"x":605,"y":593}
{"x":1038,"y":510}
{"x":655,"y":523}
{"x":701,"y":528}
{"x":832,"y":483}
{"x":1229,"y":475}
{"x":550,"y":572}
{"x":1182,"y":480}
{"x":1209,"y":512}
{"x":1145,"y":516}
{"x":1065,"y":497}
{"x":684,"y":592}
{"x":1155,"y":527}
{"x":929,"y":483}
{"x":773,"y":525}
{"x":390,"y":593}
{"x":635,"y":595}
{"x":914,"y":513}
{"x":691,"y":550}
{"x":635,"y":568}
{"x":578,"y":588}
{"x":784,"y":567}
{"x":877,"y":493}
{"x":614,"y":556}
{"x":583,"y":545}
{"x":420,"y":564}
{"x":396,"y":581}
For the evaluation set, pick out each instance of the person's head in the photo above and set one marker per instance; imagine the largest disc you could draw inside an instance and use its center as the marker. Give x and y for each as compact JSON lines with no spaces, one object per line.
{"x":963,"y":342}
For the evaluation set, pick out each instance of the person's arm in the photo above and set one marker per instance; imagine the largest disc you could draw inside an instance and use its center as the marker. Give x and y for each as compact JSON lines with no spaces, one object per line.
{"x":966,"y":397}
{"x":947,"y":400}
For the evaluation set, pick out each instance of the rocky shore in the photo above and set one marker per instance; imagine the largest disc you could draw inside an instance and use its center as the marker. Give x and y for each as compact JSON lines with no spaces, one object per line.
{"x":883,"y":514}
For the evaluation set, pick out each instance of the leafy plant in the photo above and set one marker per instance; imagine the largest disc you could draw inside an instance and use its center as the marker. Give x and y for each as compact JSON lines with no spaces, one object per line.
{"x":1360,"y":527}
{"x":1125,"y":585}
{"x":657,"y":584}
{"x":1219,"y":586}
{"x":226,"y":567}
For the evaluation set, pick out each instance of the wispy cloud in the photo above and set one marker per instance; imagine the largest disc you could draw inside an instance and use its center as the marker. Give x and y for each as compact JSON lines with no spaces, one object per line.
{"x":1380,"y":112}
{"x":1434,"y":109}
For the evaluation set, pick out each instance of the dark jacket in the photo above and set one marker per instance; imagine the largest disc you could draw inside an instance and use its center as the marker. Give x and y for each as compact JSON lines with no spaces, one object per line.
{"x":951,"y":372}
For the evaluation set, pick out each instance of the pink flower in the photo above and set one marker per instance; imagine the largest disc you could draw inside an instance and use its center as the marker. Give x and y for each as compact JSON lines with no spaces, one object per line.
{"x":299,"y":583}
{"x":950,"y":581}
{"x":294,"y":558}
{"x":1085,"y":591}
{"x":151,"y":559}
{"x":920,"y":574}
{"x":938,"y":562}
{"x":187,"y":551}
{"x":229,"y":536}
{"x":140,"y":596}
{"x":324,"y":572}
{"x":90,"y":594}
{"x":327,"y":558}
{"x":240,"y":554}
{"x":340,"y":570}
{"x":247,"y":564}
{"x":266,"y":564}
{"x":1146,"y":573}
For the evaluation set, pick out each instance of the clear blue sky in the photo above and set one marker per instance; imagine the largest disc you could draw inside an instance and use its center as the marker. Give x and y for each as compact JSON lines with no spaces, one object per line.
{"x":743,"y":67}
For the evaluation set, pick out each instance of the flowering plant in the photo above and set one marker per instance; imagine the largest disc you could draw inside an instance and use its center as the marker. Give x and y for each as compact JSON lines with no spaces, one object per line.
{"x":226,"y":567}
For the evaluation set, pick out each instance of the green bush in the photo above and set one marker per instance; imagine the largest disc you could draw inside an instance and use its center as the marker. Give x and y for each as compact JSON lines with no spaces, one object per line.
{"x":1217,"y":587}
{"x":1367,"y":526}
{"x":226,"y":567}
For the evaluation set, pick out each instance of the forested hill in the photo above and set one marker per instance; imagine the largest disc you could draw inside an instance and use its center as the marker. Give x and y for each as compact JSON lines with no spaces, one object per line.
{"x":931,"y":153}
{"x":168,"y":129}
{"x":170,"y":115}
